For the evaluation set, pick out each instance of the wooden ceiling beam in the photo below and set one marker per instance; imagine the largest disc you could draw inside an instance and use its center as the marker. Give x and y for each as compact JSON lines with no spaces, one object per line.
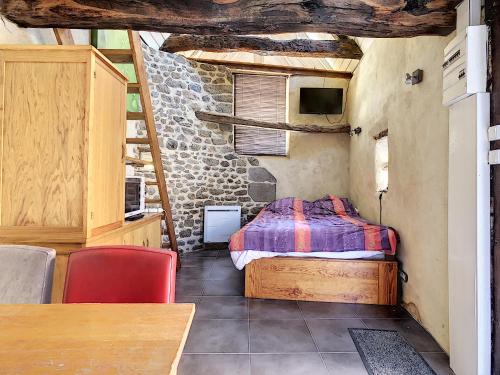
{"x":364,"y":18}
{"x":341,"y":48}
{"x":275,"y":69}
{"x":220,"y":118}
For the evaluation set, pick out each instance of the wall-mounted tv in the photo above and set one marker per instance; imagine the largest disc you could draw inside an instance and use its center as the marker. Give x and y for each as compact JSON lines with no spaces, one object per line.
{"x":321,"y":101}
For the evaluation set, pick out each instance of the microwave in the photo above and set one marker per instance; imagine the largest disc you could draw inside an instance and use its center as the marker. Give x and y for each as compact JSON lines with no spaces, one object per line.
{"x":135,"y":193}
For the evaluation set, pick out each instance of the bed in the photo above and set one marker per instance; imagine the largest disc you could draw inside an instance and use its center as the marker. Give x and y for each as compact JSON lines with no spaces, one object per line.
{"x":318,"y":251}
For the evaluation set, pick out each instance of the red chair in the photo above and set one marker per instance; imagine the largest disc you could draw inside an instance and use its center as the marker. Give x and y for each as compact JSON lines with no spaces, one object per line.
{"x":120,"y":274}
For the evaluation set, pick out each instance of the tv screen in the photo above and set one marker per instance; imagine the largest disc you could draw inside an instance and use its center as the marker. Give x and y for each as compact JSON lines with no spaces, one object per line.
{"x":321,"y":101}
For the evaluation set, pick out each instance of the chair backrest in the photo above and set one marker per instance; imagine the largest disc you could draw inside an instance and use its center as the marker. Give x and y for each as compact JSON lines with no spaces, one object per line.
{"x":120,"y":274}
{"x":26,"y":274}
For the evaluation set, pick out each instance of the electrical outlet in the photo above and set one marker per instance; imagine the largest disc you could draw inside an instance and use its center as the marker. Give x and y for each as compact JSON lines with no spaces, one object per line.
{"x":403,"y":276}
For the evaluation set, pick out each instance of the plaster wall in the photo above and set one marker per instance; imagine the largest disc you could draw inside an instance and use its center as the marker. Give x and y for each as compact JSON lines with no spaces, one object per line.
{"x":317,"y":164}
{"x":416,"y":203}
{"x":10,"y":33}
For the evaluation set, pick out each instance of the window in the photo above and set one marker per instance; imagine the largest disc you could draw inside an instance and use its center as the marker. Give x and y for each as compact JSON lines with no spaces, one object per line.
{"x":260,"y":97}
{"x":382,"y":163}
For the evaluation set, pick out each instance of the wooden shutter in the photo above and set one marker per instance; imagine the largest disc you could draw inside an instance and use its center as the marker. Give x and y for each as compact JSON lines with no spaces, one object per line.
{"x":260,"y":97}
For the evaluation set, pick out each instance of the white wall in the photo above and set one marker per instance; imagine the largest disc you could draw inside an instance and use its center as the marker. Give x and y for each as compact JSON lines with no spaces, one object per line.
{"x":317,"y":164}
{"x":12,"y":34}
{"x":416,"y":204}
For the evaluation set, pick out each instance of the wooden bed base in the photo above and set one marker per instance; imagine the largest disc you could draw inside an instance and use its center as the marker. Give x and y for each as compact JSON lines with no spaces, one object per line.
{"x":325,"y":280}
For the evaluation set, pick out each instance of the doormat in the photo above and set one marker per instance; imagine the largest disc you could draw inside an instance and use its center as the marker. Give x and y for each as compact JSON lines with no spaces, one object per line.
{"x":386,"y":352}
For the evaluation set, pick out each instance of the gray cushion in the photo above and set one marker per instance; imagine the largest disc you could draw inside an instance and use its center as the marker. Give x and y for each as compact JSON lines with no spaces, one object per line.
{"x":26,"y":274}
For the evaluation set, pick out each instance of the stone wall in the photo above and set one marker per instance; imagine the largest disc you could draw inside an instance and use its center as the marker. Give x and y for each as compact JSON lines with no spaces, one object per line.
{"x":200,"y":164}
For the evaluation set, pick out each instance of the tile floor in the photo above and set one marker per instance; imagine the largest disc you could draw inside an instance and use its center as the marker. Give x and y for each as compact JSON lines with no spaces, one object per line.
{"x":237,"y":336}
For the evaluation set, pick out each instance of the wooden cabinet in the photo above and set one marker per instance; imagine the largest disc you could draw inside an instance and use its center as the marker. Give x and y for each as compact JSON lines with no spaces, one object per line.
{"x":62,"y":157}
{"x":62,"y":163}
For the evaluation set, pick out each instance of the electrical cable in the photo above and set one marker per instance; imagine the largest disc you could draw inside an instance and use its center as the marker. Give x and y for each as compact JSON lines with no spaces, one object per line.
{"x":346,"y":93}
{"x":380,"y":207}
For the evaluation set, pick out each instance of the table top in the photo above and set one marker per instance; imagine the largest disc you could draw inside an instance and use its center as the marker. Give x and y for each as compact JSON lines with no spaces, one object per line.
{"x":93,"y":338}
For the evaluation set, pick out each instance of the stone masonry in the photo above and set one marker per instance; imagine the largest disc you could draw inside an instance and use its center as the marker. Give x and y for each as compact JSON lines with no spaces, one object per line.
{"x":199,"y":160}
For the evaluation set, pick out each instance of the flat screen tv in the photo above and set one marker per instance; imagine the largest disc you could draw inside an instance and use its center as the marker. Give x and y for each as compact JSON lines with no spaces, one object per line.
{"x":321,"y":101}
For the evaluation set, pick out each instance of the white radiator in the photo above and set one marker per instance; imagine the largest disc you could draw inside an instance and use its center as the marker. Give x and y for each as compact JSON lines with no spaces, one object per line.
{"x":221,"y":222}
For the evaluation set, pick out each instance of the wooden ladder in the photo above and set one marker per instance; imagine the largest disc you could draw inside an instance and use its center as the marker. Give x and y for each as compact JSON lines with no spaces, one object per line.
{"x":150,"y":143}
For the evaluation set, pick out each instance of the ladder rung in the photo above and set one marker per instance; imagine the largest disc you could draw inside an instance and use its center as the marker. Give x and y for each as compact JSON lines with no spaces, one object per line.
{"x":151,"y":183}
{"x":152,"y":201}
{"x":133,"y":88}
{"x":135,"y":116}
{"x":131,"y":160}
{"x":138,"y":141}
{"x":119,"y":56}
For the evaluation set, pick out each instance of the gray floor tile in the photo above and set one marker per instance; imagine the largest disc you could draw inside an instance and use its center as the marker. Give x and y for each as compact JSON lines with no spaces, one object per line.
{"x":218,"y":336}
{"x":228,"y":287}
{"x":280,"y":340}
{"x":224,"y":261}
{"x":273,"y":309}
{"x":418,"y":337}
{"x":203,"y":253}
{"x":289,"y":364}
{"x":344,"y":364}
{"x":332,"y":335}
{"x":222,"y":308}
{"x":195,"y":272}
{"x":317,"y":310}
{"x":191,"y":261}
{"x":378,"y":311}
{"x":187,"y":299}
{"x":439,"y":362}
{"x":224,"y":253}
{"x":188,"y":287}
{"x":280,"y":336}
{"x":221,"y":273}
{"x":214,"y":364}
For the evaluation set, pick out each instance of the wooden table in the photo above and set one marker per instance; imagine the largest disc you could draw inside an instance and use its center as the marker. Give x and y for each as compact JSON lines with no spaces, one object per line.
{"x":93,"y":338}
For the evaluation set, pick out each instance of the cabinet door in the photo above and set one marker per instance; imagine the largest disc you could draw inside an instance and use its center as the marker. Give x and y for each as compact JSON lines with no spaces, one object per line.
{"x":148,"y":235}
{"x":106,"y":152}
{"x":43,"y":138}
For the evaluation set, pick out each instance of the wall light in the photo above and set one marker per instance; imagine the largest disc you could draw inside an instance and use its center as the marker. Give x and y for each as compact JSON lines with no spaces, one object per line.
{"x":416,"y":77}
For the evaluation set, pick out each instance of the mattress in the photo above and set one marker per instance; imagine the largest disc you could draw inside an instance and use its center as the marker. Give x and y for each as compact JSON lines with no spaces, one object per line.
{"x":242,"y":258}
{"x":326,"y":228}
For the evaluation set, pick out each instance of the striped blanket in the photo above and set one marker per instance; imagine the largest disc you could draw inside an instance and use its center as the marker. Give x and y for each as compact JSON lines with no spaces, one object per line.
{"x":329,"y":224}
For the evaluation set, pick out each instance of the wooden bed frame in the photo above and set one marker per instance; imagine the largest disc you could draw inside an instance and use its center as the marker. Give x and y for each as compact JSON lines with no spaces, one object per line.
{"x":325,"y":280}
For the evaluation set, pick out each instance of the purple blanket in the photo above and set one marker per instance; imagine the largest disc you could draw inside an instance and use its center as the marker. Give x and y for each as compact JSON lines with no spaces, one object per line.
{"x":329,"y":224}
